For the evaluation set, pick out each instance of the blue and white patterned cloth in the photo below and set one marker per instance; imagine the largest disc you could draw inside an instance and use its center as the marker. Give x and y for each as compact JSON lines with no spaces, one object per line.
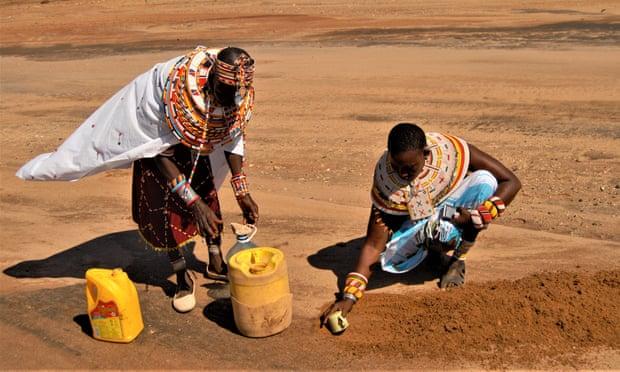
{"x":408,"y":246}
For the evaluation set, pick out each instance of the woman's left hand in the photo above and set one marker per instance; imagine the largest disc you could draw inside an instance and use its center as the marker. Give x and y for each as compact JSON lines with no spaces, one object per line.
{"x":249,"y":209}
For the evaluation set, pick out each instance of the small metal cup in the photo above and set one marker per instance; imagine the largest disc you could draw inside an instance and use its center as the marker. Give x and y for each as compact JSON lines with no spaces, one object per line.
{"x":337,"y":323}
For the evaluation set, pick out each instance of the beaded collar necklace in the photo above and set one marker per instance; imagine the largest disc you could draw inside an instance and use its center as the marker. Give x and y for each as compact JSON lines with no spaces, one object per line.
{"x":187,"y":107}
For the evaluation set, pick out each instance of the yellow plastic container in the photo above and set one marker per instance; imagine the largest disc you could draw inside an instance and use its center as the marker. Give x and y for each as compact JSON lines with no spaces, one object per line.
{"x":260,"y":293}
{"x":113,"y":305}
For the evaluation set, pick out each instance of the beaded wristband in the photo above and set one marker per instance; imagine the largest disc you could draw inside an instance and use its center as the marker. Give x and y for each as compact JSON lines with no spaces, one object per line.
{"x":188,"y":194}
{"x":490,"y":207}
{"x":176,"y":183}
{"x":485,"y":214}
{"x":239,"y":185}
{"x":354,"y":286}
{"x":476,"y":219}
{"x":498,"y":203}
{"x":487,"y":211}
{"x":356,"y":275}
{"x":350,"y":297}
{"x":180,"y":185}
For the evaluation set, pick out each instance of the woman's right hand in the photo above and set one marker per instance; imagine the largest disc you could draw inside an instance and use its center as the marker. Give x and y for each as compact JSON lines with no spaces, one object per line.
{"x":344,"y":305}
{"x":207,"y":221}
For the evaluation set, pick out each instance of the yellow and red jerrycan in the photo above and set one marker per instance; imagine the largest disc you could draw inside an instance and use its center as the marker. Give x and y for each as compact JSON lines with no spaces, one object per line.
{"x":113,"y":305}
{"x":260,"y":294}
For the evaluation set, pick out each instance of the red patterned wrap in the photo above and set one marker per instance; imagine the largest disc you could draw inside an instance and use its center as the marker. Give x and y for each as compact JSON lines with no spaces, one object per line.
{"x":163,"y":218}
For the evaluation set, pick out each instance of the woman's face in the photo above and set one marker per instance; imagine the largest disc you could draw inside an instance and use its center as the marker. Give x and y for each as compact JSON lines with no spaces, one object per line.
{"x":224,"y":93}
{"x":408,"y":164}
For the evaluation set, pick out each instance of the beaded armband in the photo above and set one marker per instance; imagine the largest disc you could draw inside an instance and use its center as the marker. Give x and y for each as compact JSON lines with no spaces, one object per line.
{"x":354,"y":286}
{"x":487,"y":211}
{"x":239,"y":185}
{"x":183,"y":189}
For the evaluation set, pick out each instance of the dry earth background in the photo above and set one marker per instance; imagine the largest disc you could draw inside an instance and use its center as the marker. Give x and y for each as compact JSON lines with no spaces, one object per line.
{"x":535,"y":83}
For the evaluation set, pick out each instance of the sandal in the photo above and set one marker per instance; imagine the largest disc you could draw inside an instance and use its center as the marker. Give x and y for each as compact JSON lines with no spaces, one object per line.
{"x":455,"y":276}
{"x":183,"y":300}
{"x":223,"y":276}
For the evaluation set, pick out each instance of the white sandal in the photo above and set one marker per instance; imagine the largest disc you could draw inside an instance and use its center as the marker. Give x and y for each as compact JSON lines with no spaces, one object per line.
{"x":186,"y":303}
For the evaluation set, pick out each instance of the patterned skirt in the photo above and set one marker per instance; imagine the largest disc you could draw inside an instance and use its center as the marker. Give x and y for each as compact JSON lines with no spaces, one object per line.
{"x":409,"y":245}
{"x":164,"y":221}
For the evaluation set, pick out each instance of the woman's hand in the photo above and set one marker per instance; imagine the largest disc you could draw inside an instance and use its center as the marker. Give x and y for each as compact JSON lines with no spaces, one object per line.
{"x":207,"y":221}
{"x":249,"y":209}
{"x":462,"y":218}
{"x":343,"y":305}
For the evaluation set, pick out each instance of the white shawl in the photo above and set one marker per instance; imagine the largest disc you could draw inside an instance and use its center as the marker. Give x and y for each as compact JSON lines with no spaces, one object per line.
{"x":127,"y":127}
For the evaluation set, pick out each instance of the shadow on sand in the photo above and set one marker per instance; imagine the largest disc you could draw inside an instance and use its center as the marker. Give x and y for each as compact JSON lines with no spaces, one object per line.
{"x":220,"y":310}
{"x":124,"y":249}
{"x":341,"y":258}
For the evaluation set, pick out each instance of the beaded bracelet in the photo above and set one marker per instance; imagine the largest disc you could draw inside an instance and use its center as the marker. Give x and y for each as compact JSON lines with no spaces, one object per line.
{"x":354,"y":286}
{"x":176,"y":183}
{"x":180,"y":185}
{"x":239,"y":185}
{"x":188,"y":195}
{"x":350,"y":296}
{"x":487,"y":211}
{"x":498,"y":203}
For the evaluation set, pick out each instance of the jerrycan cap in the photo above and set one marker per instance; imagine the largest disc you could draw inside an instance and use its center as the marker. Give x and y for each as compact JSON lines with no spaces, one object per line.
{"x":244,"y":232}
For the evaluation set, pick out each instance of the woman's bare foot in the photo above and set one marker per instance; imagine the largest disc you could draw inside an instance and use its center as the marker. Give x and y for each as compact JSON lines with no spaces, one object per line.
{"x":455,"y":276}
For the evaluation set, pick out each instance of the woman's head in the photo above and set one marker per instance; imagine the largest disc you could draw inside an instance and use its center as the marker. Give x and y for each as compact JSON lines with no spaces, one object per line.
{"x":234,"y":72}
{"x":407,"y":150}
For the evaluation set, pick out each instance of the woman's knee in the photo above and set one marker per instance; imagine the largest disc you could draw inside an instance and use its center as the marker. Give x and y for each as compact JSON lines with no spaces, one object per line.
{"x":485,"y":177}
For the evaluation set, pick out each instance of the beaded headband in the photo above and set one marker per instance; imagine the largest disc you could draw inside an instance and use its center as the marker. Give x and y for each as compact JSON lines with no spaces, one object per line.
{"x":239,"y":74}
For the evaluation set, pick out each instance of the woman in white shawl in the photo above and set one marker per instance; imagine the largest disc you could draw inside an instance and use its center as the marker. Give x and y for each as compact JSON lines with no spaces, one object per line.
{"x":181,"y":124}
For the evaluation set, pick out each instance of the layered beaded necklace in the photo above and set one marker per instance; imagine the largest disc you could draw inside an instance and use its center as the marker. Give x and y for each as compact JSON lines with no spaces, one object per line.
{"x":187,"y":111}
{"x":187,"y":104}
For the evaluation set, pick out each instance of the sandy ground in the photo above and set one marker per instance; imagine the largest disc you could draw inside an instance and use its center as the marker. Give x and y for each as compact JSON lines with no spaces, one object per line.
{"x":536,"y":84}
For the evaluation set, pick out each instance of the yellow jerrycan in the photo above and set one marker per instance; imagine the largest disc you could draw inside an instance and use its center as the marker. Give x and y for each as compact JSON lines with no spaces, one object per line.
{"x":261,"y":298}
{"x":113,"y":305}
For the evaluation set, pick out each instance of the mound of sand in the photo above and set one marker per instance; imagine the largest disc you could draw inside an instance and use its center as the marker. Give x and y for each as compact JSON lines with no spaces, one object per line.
{"x":497,"y":323}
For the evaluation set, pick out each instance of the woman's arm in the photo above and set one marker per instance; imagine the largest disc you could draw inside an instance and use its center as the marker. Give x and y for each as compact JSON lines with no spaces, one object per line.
{"x":206,"y":219}
{"x":376,"y":238}
{"x":508,"y":185}
{"x":167,"y":167}
{"x":235,"y":162}
{"x":239,"y":184}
